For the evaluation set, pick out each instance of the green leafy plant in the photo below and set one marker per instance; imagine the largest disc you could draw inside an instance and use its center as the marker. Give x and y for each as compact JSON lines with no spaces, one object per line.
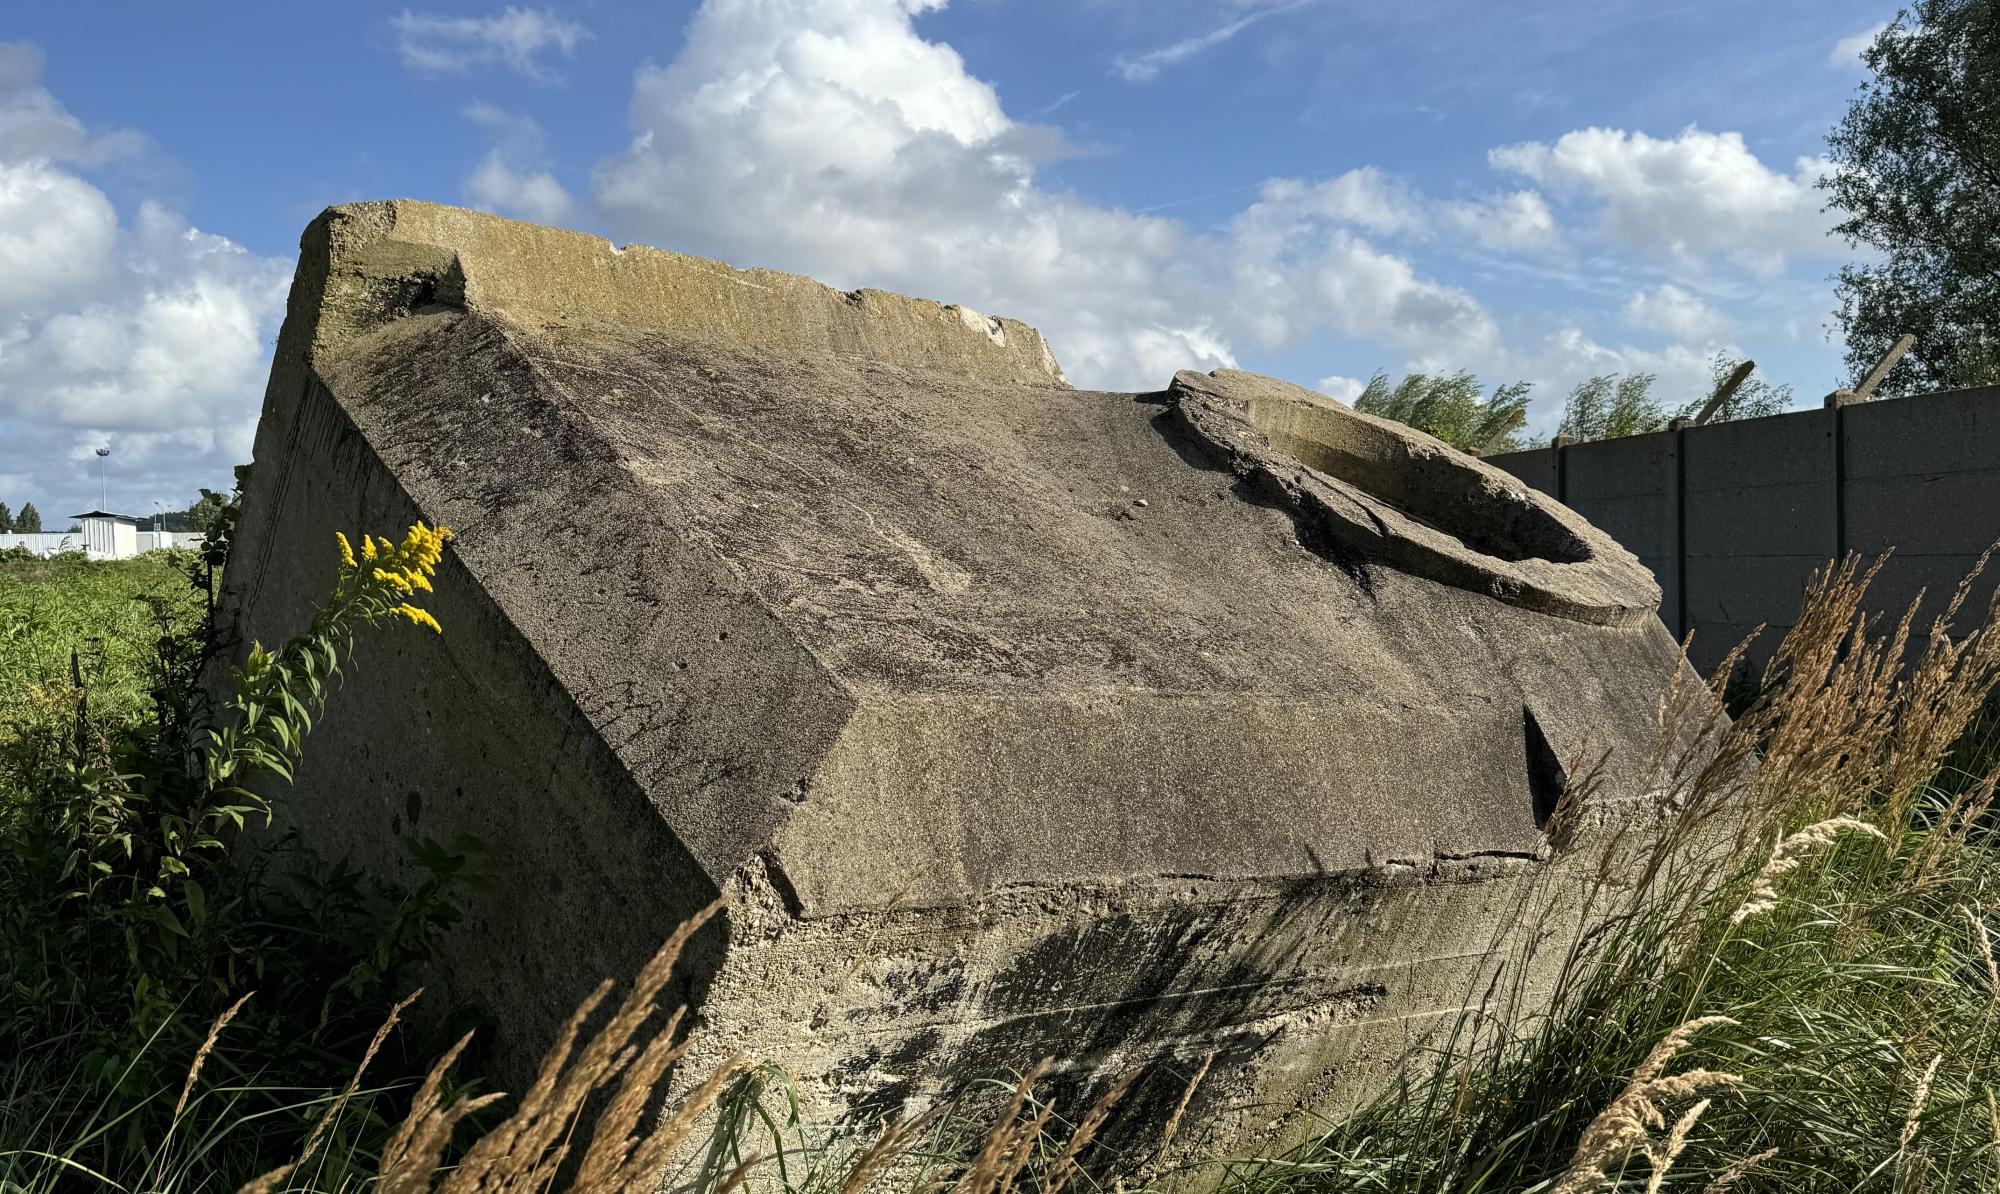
{"x":133,"y":911}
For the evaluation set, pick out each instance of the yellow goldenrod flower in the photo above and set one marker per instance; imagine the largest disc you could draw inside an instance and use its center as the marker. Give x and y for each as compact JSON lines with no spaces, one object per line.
{"x":367,"y":548}
{"x":392,"y":579}
{"x":346,"y":550}
{"x":419,"y":617}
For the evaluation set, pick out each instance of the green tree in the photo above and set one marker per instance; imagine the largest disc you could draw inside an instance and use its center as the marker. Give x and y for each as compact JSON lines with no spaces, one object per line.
{"x":1754,"y":399}
{"x":1450,"y":406}
{"x":1917,"y":179}
{"x":6,"y":519}
{"x":1609,"y":406}
{"x":29,"y":520}
{"x":206,"y":509}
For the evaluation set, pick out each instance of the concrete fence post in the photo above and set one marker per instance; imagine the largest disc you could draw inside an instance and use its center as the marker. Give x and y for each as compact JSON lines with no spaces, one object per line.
{"x":1836,"y":416}
{"x":1560,"y":446}
{"x":1673,"y":588}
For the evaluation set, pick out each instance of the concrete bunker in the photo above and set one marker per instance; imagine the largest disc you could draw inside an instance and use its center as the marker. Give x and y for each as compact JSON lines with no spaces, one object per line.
{"x":1014,"y":719}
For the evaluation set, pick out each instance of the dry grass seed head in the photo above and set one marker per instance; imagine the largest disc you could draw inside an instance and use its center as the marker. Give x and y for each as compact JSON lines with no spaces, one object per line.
{"x":1917,"y":1101}
{"x":1730,"y":1176}
{"x":417,"y":1149}
{"x":986,"y":1172}
{"x":1669,"y":1150}
{"x":1788,"y":854}
{"x":1065,"y":1165}
{"x":525,"y":1151}
{"x":1983,"y":938}
{"x":1025,"y":1139}
{"x":201,"y":1056}
{"x":1627,"y":1122}
{"x":1187,"y":1096}
{"x":614,"y":1137}
{"x":890,"y":1144}
{"x":735,"y":1177}
{"x":339,"y":1104}
{"x":267,"y":1183}
{"x":653,"y":1153}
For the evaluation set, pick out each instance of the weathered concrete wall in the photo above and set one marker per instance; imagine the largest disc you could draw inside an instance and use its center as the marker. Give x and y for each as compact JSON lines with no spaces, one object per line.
{"x":1015,"y":720}
{"x":1733,"y":518}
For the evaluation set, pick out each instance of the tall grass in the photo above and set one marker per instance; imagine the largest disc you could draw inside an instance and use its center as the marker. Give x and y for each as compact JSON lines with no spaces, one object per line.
{"x":1793,"y":986}
{"x":1825,"y":979}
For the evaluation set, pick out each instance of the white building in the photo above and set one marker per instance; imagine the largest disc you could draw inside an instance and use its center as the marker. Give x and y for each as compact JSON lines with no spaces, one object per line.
{"x":102,"y":535}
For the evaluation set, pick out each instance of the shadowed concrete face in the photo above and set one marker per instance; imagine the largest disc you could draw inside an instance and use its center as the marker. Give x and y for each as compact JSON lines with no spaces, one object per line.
{"x":1017,"y":720}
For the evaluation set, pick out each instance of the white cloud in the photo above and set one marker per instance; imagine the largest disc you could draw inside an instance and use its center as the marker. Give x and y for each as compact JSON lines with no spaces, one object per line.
{"x":1364,"y":197}
{"x":827,"y":137}
{"x":497,"y":186}
{"x":514,"y":37}
{"x":1516,"y":220}
{"x":56,"y":235}
{"x":34,"y":125}
{"x":1846,"y":53}
{"x":1695,"y":195}
{"x":1374,"y":201}
{"x":151,"y":336}
{"x":513,"y":178}
{"x":1341,"y":389}
{"x":1668,"y":308}
{"x":1361,"y":291}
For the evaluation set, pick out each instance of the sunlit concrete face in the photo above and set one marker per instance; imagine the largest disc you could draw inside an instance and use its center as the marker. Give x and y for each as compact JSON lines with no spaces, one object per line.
{"x":1015,"y":720}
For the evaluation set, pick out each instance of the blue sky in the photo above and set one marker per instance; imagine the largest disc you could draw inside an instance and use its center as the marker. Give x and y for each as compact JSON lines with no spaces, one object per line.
{"x":1313,"y":188}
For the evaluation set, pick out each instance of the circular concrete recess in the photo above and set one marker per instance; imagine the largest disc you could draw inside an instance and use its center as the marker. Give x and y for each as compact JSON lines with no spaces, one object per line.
{"x":1389,"y":493}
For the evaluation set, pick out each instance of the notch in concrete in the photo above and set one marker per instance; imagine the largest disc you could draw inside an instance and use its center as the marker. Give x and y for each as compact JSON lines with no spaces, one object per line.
{"x":1547,"y":778}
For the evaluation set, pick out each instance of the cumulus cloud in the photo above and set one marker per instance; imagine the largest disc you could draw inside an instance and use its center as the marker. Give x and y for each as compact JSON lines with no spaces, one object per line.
{"x":34,"y":125}
{"x":1376,"y":202}
{"x":1669,"y":309}
{"x":1341,"y":389}
{"x":828,"y":137}
{"x":1516,"y":220}
{"x":56,"y":235}
{"x":513,"y":37}
{"x":514,"y":179}
{"x":1846,"y":53}
{"x":1689,"y":197}
{"x":149,"y":335}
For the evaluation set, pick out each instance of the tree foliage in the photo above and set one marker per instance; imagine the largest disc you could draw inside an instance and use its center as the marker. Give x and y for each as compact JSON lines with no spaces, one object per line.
{"x":28,"y":521}
{"x":1754,"y":399}
{"x":1917,"y":177}
{"x":1609,"y":406}
{"x":6,"y":519}
{"x":1451,"y":407}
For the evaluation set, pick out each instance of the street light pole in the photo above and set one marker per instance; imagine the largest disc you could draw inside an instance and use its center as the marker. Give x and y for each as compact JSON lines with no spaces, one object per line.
{"x":102,"y":490}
